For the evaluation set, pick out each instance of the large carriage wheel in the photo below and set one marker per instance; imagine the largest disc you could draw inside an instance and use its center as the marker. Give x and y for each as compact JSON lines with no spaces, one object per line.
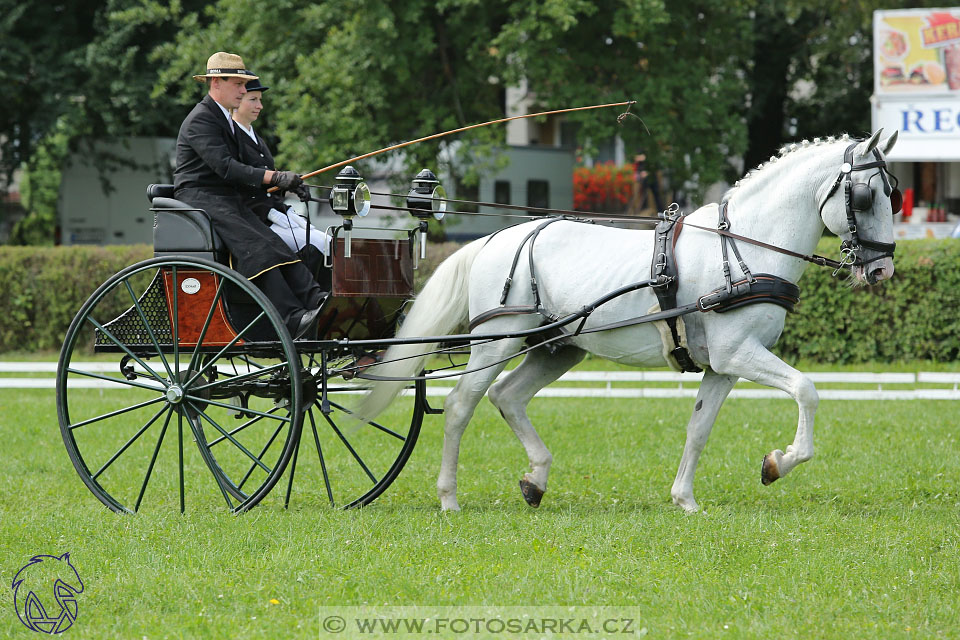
{"x":342,"y":461}
{"x":156,"y":356}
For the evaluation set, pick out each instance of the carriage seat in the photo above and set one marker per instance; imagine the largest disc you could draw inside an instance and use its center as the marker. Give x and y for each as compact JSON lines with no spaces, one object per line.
{"x":181,"y":229}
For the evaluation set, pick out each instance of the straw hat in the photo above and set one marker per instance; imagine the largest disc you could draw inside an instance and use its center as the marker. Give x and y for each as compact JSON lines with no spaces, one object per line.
{"x":225,"y":65}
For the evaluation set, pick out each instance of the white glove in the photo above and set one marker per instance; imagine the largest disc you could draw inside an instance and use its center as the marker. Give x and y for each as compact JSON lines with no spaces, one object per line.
{"x":278,"y":219}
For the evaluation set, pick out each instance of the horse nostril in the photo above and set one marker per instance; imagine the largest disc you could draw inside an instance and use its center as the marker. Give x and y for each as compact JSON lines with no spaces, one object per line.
{"x":875,"y":275}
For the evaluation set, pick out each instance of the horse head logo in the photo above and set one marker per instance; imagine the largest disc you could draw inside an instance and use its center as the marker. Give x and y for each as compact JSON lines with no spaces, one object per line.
{"x":33,"y":586}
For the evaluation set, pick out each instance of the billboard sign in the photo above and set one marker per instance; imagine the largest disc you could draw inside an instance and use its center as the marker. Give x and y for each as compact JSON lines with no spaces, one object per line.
{"x":916,"y":52}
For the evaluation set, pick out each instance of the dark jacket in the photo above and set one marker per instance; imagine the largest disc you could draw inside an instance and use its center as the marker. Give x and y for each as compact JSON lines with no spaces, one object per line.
{"x":208,"y":153}
{"x":210,"y":175}
{"x":257,"y":154}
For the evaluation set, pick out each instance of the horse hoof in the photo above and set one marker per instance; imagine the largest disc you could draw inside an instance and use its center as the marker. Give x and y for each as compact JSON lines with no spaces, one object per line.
{"x":531,"y":493}
{"x":769,"y":472}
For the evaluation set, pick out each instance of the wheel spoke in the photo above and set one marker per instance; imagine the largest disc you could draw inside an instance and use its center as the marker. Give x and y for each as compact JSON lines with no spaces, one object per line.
{"x":180,"y":430}
{"x":153,"y":459}
{"x":230,"y":438}
{"x":206,"y":325}
{"x":293,"y":470}
{"x":239,"y":377}
{"x":175,"y":327}
{"x":120,"y":381}
{"x":239,"y":429}
{"x":224,"y":405}
{"x":118,"y":412}
{"x":353,"y":452}
{"x":370,"y":422}
{"x":263,"y":452}
{"x":136,"y":358}
{"x":230,"y":344}
{"x":199,"y":438}
{"x":323,"y":464}
{"x":129,"y":442}
{"x":146,"y":324}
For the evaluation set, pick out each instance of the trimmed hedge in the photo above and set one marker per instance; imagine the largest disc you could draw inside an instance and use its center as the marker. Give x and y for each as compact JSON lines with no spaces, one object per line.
{"x":42,"y":288}
{"x":914,"y":316}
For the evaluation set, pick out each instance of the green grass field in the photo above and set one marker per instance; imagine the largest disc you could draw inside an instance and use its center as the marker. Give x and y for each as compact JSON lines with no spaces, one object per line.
{"x":861,"y":542}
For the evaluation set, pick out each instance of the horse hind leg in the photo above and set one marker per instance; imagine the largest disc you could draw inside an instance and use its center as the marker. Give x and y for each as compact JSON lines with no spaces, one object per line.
{"x":714,"y":389}
{"x":459,"y":407}
{"x":511,"y":397}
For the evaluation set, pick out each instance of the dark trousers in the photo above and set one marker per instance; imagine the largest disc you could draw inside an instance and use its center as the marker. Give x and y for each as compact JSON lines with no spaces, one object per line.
{"x":292,"y":290}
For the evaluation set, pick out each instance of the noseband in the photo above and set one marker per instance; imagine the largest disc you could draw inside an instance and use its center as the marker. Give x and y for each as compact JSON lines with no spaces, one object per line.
{"x":859,"y":197}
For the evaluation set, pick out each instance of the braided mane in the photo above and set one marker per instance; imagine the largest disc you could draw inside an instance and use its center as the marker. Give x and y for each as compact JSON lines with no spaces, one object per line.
{"x":787,"y":150}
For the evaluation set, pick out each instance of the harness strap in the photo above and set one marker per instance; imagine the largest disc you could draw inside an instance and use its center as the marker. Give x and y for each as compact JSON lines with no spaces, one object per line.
{"x":532,"y":237}
{"x":764,"y":287}
{"x":513,"y":310}
{"x":723,"y":225}
{"x":663,"y":270}
{"x":815,"y":259}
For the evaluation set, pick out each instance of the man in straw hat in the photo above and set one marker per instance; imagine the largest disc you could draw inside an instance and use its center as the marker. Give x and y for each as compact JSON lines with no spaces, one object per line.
{"x":210,"y":176}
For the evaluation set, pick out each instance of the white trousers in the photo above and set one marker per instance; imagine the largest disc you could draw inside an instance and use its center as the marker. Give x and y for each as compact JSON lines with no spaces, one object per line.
{"x":295,"y":237}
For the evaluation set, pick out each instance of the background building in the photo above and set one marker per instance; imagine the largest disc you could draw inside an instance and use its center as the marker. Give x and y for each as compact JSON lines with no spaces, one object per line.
{"x":917,"y":91}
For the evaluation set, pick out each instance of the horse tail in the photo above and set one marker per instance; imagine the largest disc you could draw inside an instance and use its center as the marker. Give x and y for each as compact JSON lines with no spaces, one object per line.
{"x":440,"y":309}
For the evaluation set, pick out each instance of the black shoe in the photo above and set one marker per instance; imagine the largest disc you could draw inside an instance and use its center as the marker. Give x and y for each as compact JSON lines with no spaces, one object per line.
{"x":307,"y":322}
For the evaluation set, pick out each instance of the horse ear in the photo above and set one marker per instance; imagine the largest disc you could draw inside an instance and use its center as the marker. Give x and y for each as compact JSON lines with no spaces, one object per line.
{"x":887,"y":145}
{"x":867,"y":146}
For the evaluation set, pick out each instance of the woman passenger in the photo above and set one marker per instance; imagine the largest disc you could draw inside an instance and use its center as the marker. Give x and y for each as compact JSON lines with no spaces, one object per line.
{"x":283,"y":220}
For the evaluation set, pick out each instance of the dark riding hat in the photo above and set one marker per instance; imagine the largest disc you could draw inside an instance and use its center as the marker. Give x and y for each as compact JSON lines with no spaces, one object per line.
{"x":225,"y":65}
{"x":254,"y":85}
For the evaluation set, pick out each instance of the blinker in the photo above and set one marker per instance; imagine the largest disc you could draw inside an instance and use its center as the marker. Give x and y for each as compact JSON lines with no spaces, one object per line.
{"x":896,"y":201}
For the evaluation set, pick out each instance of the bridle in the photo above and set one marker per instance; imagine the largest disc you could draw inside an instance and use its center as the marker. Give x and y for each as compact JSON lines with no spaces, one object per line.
{"x":859,"y":197}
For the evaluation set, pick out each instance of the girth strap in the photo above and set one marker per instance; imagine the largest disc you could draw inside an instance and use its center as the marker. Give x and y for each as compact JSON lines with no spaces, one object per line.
{"x":663,"y":269}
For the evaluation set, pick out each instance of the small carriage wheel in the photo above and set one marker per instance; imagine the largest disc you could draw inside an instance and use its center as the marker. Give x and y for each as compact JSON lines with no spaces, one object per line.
{"x":155,"y":350}
{"x":345,"y":462}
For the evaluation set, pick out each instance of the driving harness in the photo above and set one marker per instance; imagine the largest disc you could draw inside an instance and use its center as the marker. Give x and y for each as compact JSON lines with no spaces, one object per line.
{"x":751,"y":289}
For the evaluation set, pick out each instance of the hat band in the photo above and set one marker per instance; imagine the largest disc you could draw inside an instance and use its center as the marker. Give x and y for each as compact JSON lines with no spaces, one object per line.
{"x":242,"y":72}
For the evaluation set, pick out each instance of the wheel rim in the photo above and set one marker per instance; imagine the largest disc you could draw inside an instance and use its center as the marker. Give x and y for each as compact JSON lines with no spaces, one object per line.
{"x":124,"y":429}
{"x":345,"y":463}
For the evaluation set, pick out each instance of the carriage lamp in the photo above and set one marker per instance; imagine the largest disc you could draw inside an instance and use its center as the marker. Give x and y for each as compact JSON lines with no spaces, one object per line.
{"x":349,"y":197}
{"x":426,"y":199}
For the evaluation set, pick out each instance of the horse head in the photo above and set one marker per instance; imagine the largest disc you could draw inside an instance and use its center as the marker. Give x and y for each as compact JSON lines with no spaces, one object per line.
{"x":858,"y":206}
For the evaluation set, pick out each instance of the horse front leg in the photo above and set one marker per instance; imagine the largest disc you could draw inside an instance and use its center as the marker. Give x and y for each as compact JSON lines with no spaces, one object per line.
{"x":755,"y":363}
{"x":713,"y":391}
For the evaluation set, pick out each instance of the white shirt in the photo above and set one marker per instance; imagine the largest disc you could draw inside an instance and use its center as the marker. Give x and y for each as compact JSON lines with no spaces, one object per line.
{"x":247,"y":131}
{"x":226,"y":114}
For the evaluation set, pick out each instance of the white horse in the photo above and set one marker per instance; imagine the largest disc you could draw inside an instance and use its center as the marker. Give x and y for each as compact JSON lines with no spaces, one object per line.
{"x":786,"y":202}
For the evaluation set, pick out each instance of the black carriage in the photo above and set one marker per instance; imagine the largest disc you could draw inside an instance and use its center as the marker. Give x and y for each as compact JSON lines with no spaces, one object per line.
{"x":183,"y":348}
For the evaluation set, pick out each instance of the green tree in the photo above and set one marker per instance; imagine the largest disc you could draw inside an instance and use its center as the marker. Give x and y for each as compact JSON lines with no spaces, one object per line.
{"x":41,"y":64}
{"x":353,"y":78}
{"x":84,"y":71}
{"x":811,"y":70}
